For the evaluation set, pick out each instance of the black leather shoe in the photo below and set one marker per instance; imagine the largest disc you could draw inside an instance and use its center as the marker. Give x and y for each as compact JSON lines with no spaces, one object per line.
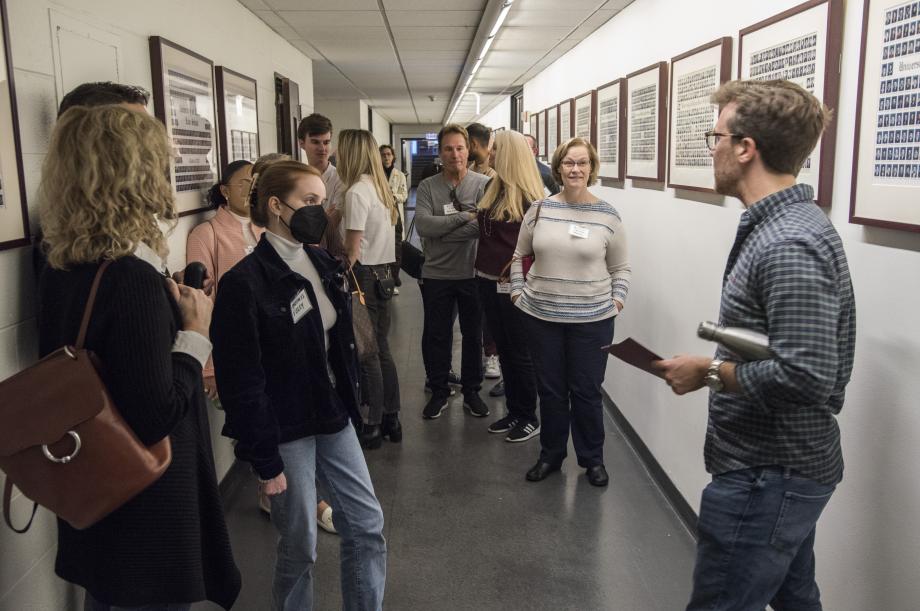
{"x":597,"y":475}
{"x":391,"y":428}
{"x":370,"y":437}
{"x":540,"y":470}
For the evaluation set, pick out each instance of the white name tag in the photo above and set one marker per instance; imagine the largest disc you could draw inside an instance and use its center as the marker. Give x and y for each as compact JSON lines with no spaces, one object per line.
{"x":300,"y":305}
{"x":503,"y":287}
{"x":578,"y":232}
{"x":449,"y":209}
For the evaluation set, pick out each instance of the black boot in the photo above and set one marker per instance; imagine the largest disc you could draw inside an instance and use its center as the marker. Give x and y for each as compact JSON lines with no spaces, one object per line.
{"x":390,"y":427}
{"x":370,"y":437}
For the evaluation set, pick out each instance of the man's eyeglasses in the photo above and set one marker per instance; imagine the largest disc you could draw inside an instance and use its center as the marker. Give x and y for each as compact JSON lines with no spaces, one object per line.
{"x":712,"y":138}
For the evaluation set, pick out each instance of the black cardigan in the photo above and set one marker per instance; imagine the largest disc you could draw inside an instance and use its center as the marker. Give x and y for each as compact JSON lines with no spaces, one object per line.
{"x":271,"y":372}
{"x":170,"y":543}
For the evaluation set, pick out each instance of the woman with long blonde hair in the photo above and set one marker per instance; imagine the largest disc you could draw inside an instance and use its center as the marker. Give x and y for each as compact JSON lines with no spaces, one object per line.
{"x":369,"y":218}
{"x":501,"y":210}
{"x":104,"y":188}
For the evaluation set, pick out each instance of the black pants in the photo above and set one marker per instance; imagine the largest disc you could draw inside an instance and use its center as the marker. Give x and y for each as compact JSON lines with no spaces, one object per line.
{"x":510,"y":335}
{"x":441,"y":298}
{"x":379,"y":379}
{"x":570,"y":367}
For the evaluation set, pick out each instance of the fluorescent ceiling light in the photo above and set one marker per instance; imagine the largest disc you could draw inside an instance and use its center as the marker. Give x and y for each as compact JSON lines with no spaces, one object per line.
{"x":476,"y":67}
{"x":501,"y":19}
{"x":486,"y":47}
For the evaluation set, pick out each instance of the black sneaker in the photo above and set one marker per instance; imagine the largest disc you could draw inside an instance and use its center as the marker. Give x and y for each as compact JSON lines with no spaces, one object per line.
{"x":453,"y":378}
{"x":504,"y":425}
{"x":434,"y":407}
{"x":523,"y":431}
{"x":498,"y":390}
{"x":474,"y":404}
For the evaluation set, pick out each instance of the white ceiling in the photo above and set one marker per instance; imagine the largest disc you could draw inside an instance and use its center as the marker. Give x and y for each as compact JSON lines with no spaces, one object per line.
{"x":398,"y":54}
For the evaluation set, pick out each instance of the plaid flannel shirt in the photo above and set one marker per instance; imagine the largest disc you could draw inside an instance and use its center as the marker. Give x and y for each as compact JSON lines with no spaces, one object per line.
{"x":787,"y":277}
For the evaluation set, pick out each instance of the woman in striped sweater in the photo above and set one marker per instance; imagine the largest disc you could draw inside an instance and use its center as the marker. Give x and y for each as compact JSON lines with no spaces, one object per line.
{"x":573,"y":291}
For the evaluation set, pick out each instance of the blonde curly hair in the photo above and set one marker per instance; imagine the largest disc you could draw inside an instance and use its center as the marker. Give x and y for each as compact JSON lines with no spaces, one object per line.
{"x":105,"y":185}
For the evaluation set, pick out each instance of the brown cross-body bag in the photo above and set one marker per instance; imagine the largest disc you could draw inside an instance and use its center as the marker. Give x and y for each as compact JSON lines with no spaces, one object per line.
{"x":63,"y":442}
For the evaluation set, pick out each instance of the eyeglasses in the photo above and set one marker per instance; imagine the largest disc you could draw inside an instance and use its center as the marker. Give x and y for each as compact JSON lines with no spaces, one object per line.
{"x":712,"y":138}
{"x":568,"y":164}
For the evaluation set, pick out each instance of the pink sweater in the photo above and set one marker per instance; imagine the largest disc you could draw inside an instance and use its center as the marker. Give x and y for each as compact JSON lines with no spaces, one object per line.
{"x":220,"y":244}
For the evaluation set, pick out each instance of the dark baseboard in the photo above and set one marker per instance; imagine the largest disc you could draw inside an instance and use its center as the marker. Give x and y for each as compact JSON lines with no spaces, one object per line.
{"x":672,"y":494}
{"x":236,"y":475}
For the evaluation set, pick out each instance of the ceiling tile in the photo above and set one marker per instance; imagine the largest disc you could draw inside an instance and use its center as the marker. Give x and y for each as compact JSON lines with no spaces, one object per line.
{"x":434,"y":33}
{"x":323,"y":5}
{"x":421,"y":44}
{"x":439,"y":5}
{"x":338,"y":19}
{"x":433,"y":18}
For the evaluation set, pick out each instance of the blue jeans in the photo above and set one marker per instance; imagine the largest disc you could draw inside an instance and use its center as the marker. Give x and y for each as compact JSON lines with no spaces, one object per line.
{"x":756,"y":541}
{"x":91,"y":604}
{"x":337,"y":461}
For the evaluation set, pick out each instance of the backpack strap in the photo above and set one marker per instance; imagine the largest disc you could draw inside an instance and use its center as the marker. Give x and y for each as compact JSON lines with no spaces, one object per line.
{"x":84,"y":324}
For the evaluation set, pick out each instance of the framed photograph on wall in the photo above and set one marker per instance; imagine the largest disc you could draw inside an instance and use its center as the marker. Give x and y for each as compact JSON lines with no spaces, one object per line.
{"x":695,"y":75}
{"x":802,"y":45}
{"x":565,"y":121}
{"x":611,"y":117}
{"x":646,"y":122}
{"x":533,"y":122}
{"x":552,"y":130}
{"x":542,"y":130}
{"x":183,"y":99}
{"x":14,"y":213}
{"x":583,"y":116}
{"x":237,"y":115}
{"x":886,"y":162}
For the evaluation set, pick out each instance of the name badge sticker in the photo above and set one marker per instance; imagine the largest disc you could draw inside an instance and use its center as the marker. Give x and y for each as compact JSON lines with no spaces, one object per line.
{"x":449,"y":209}
{"x":577,"y":231}
{"x":300,"y":305}
{"x":503,"y":288}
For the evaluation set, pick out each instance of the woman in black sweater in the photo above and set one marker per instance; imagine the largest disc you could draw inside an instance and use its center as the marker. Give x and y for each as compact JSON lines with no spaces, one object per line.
{"x":287,"y":371}
{"x":104,"y":186}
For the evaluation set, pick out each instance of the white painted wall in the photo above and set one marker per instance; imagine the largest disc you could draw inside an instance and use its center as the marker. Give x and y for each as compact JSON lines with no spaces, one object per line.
{"x":229,"y":35}
{"x":344,"y":114}
{"x":381,"y":129}
{"x":868,"y":545}
{"x":498,"y":116}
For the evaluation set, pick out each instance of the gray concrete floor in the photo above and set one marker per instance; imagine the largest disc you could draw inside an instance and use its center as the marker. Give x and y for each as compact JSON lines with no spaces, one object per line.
{"x":466,"y":531}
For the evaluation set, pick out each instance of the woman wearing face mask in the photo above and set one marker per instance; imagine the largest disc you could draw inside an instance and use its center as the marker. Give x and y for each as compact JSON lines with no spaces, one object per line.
{"x":370,"y":214}
{"x":220,"y":242}
{"x":577,"y":285}
{"x":287,"y":369}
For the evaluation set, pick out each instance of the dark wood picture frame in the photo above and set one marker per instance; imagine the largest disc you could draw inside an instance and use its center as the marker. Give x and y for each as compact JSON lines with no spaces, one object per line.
{"x":831,"y":83}
{"x":186,"y":198}
{"x":620,"y":84}
{"x":220,"y":87}
{"x":661,"y":125}
{"x":725,"y":69}
{"x":11,"y":156}
{"x":549,"y":112}
{"x":565,"y":109}
{"x":884,"y":220}
{"x":592,"y":129}
{"x":542,"y":129}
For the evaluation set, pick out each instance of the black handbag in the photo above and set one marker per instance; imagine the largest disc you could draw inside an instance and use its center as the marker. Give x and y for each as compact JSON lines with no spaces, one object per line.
{"x":411,"y":258}
{"x":384,"y":287}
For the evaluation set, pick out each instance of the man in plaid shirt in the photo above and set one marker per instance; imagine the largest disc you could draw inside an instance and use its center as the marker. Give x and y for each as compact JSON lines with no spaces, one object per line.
{"x":772,"y":442}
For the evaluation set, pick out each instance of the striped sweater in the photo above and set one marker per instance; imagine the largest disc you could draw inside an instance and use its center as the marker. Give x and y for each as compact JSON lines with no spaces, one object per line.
{"x":580,"y":262}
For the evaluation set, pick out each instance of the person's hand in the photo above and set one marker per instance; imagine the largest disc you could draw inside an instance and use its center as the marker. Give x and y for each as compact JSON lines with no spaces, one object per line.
{"x":471,"y":216}
{"x":207,"y":284}
{"x":194,"y":307}
{"x":684,"y":373}
{"x":275,"y":485}
{"x":514,"y":298}
{"x":620,"y":305}
{"x":210,"y":388}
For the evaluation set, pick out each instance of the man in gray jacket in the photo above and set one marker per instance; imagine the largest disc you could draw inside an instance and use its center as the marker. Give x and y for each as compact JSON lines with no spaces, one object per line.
{"x":445,"y":216}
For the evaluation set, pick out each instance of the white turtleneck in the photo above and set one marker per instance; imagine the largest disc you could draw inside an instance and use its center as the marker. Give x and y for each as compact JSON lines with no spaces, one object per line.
{"x":247,"y":229}
{"x":296,"y":257}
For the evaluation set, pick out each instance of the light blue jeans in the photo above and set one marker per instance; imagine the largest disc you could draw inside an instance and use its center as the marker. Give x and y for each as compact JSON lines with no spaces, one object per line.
{"x":338,"y":462}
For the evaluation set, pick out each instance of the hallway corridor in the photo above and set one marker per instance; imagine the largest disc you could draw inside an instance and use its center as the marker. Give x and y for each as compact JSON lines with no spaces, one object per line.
{"x":464,"y":529}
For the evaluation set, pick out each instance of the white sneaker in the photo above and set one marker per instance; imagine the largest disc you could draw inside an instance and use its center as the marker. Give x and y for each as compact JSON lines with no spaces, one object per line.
{"x":395,"y":291}
{"x":325,"y":521}
{"x":492,"y":370}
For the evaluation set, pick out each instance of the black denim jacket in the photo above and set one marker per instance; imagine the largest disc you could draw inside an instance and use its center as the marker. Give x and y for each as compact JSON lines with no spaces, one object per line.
{"x":271,"y":372}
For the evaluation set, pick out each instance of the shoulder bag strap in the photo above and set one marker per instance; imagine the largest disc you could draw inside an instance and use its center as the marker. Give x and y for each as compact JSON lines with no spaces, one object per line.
{"x":217,"y":248}
{"x":7,"y":500}
{"x":84,"y":324}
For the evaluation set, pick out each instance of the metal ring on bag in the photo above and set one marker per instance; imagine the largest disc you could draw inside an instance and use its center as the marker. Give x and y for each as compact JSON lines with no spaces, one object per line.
{"x":64,"y":459}
{"x":69,"y":353}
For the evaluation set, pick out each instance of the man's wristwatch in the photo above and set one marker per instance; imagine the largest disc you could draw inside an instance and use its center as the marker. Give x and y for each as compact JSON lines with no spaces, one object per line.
{"x":712,"y":378}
